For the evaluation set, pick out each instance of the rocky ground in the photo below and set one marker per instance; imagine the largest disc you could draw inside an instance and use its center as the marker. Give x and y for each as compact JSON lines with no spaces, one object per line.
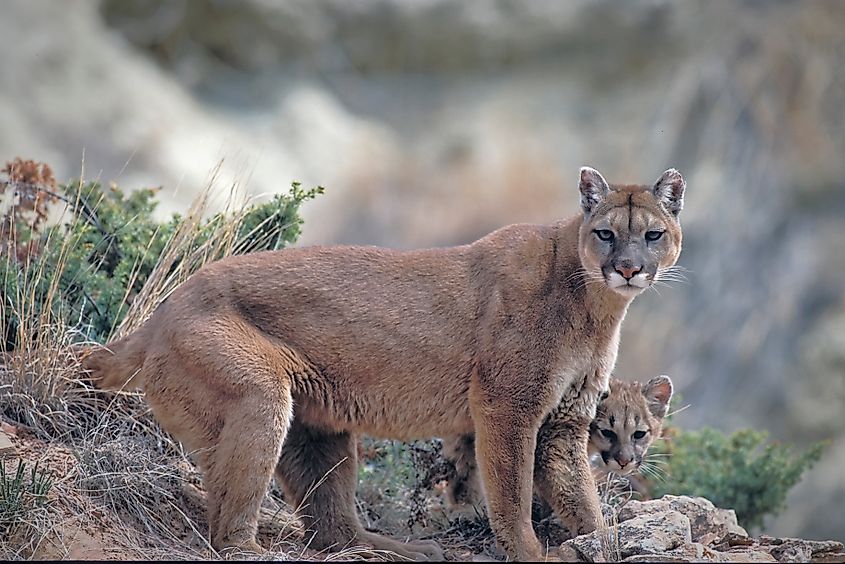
{"x":79,"y":522}
{"x":690,"y":529}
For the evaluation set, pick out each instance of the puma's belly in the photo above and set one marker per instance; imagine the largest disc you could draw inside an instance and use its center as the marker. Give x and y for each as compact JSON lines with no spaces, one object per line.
{"x":407,"y":417}
{"x":388,"y":405}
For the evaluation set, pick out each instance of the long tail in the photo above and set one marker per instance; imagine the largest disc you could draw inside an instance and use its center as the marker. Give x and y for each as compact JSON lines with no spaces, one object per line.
{"x":117,"y":366}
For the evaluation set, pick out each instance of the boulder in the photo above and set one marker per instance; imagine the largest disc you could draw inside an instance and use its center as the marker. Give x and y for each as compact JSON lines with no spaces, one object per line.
{"x":708,"y":523}
{"x":650,"y":534}
{"x":6,"y":444}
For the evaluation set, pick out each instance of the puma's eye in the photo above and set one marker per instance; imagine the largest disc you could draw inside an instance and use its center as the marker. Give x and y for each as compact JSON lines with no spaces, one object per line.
{"x":653,"y":235}
{"x":639,"y":435}
{"x":604,"y":234}
{"x":608,"y":434}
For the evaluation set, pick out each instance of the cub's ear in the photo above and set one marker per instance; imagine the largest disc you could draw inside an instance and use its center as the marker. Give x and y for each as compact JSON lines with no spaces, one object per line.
{"x":658,"y":392}
{"x":669,"y":190}
{"x":593,"y":188}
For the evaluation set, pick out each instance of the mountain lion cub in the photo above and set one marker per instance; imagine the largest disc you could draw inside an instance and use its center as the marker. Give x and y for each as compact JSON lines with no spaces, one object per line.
{"x":271,"y":363}
{"x":628,"y":419}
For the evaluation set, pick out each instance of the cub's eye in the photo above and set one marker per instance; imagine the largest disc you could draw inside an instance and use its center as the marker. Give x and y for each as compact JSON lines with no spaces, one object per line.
{"x":604,"y":234}
{"x":653,"y":235}
{"x":638,"y":435}
{"x":608,"y":434}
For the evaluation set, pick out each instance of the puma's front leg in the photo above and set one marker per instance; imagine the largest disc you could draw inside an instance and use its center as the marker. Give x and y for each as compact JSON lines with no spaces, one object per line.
{"x":562,"y":474}
{"x":505,"y":452}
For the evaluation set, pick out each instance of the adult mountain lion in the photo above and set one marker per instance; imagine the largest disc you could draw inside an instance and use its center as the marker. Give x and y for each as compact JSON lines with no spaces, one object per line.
{"x":272,"y":362}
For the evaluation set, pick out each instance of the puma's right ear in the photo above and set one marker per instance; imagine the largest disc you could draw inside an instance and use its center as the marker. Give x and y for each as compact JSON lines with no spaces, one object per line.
{"x":658,"y":392}
{"x":593,"y":188}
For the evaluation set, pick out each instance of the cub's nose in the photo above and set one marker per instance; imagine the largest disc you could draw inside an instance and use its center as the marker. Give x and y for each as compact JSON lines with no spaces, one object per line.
{"x":628,"y":271}
{"x":623,"y":461}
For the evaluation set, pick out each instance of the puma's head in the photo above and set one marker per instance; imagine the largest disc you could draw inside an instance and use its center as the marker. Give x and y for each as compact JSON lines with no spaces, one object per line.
{"x":630,"y":233}
{"x":628,"y":419}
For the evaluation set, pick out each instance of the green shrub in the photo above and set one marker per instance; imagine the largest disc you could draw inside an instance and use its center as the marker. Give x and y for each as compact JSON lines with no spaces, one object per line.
{"x":741,"y":471}
{"x":87,"y":269}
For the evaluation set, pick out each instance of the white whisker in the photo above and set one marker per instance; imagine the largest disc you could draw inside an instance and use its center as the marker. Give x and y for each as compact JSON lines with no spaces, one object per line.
{"x":680,"y":409}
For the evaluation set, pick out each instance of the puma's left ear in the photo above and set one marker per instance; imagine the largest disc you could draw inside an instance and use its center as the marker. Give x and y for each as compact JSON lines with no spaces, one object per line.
{"x":658,"y":392}
{"x":669,"y":190}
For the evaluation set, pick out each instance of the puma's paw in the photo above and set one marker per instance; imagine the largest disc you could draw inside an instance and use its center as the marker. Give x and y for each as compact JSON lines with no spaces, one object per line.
{"x":242,"y":550}
{"x":423,"y":550}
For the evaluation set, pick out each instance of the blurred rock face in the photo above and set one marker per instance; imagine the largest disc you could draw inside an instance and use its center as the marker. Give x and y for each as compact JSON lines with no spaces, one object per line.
{"x":434,"y":122}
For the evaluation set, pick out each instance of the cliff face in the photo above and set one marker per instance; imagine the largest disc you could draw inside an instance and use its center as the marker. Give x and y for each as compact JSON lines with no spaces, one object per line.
{"x":434,"y":122}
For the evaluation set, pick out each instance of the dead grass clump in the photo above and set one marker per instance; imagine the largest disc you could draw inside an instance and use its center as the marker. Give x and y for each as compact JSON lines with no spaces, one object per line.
{"x":142,"y":483}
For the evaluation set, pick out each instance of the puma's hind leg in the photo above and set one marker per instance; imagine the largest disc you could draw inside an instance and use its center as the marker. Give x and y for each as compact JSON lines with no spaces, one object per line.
{"x":318,"y":472}
{"x":241,"y":468}
{"x":231,"y":408}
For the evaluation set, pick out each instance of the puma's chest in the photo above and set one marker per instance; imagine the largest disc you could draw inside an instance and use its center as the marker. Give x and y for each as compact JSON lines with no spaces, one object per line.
{"x":582,"y":374}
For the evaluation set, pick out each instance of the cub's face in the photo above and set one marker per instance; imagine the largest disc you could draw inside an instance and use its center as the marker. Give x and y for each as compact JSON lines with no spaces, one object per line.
{"x":630,"y":235}
{"x":628,"y":419}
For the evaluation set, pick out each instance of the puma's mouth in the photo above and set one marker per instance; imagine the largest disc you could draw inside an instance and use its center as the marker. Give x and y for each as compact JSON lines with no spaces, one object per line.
{"x":628,"y":287}
{"x":627,"y":290}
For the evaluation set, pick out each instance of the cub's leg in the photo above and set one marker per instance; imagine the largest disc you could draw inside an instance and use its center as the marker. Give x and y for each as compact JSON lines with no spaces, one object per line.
{"x":463,"y":492}
{"x":562,"y":474}
{"x":311,"y":457}
{"x":504,"y":444}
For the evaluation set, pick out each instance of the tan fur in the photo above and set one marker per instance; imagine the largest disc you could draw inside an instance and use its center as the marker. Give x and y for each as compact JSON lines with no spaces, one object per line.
{"x":626,"y":408}
{"x":272,"y":363}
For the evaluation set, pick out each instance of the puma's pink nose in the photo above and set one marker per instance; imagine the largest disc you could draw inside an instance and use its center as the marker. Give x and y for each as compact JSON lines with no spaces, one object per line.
{"x":628,"y":271}
{"x":623,"y":461}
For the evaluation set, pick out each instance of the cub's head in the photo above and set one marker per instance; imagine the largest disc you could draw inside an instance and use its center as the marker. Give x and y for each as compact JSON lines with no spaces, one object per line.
{"x":628,"y":419}
{"x":630,"y":234}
